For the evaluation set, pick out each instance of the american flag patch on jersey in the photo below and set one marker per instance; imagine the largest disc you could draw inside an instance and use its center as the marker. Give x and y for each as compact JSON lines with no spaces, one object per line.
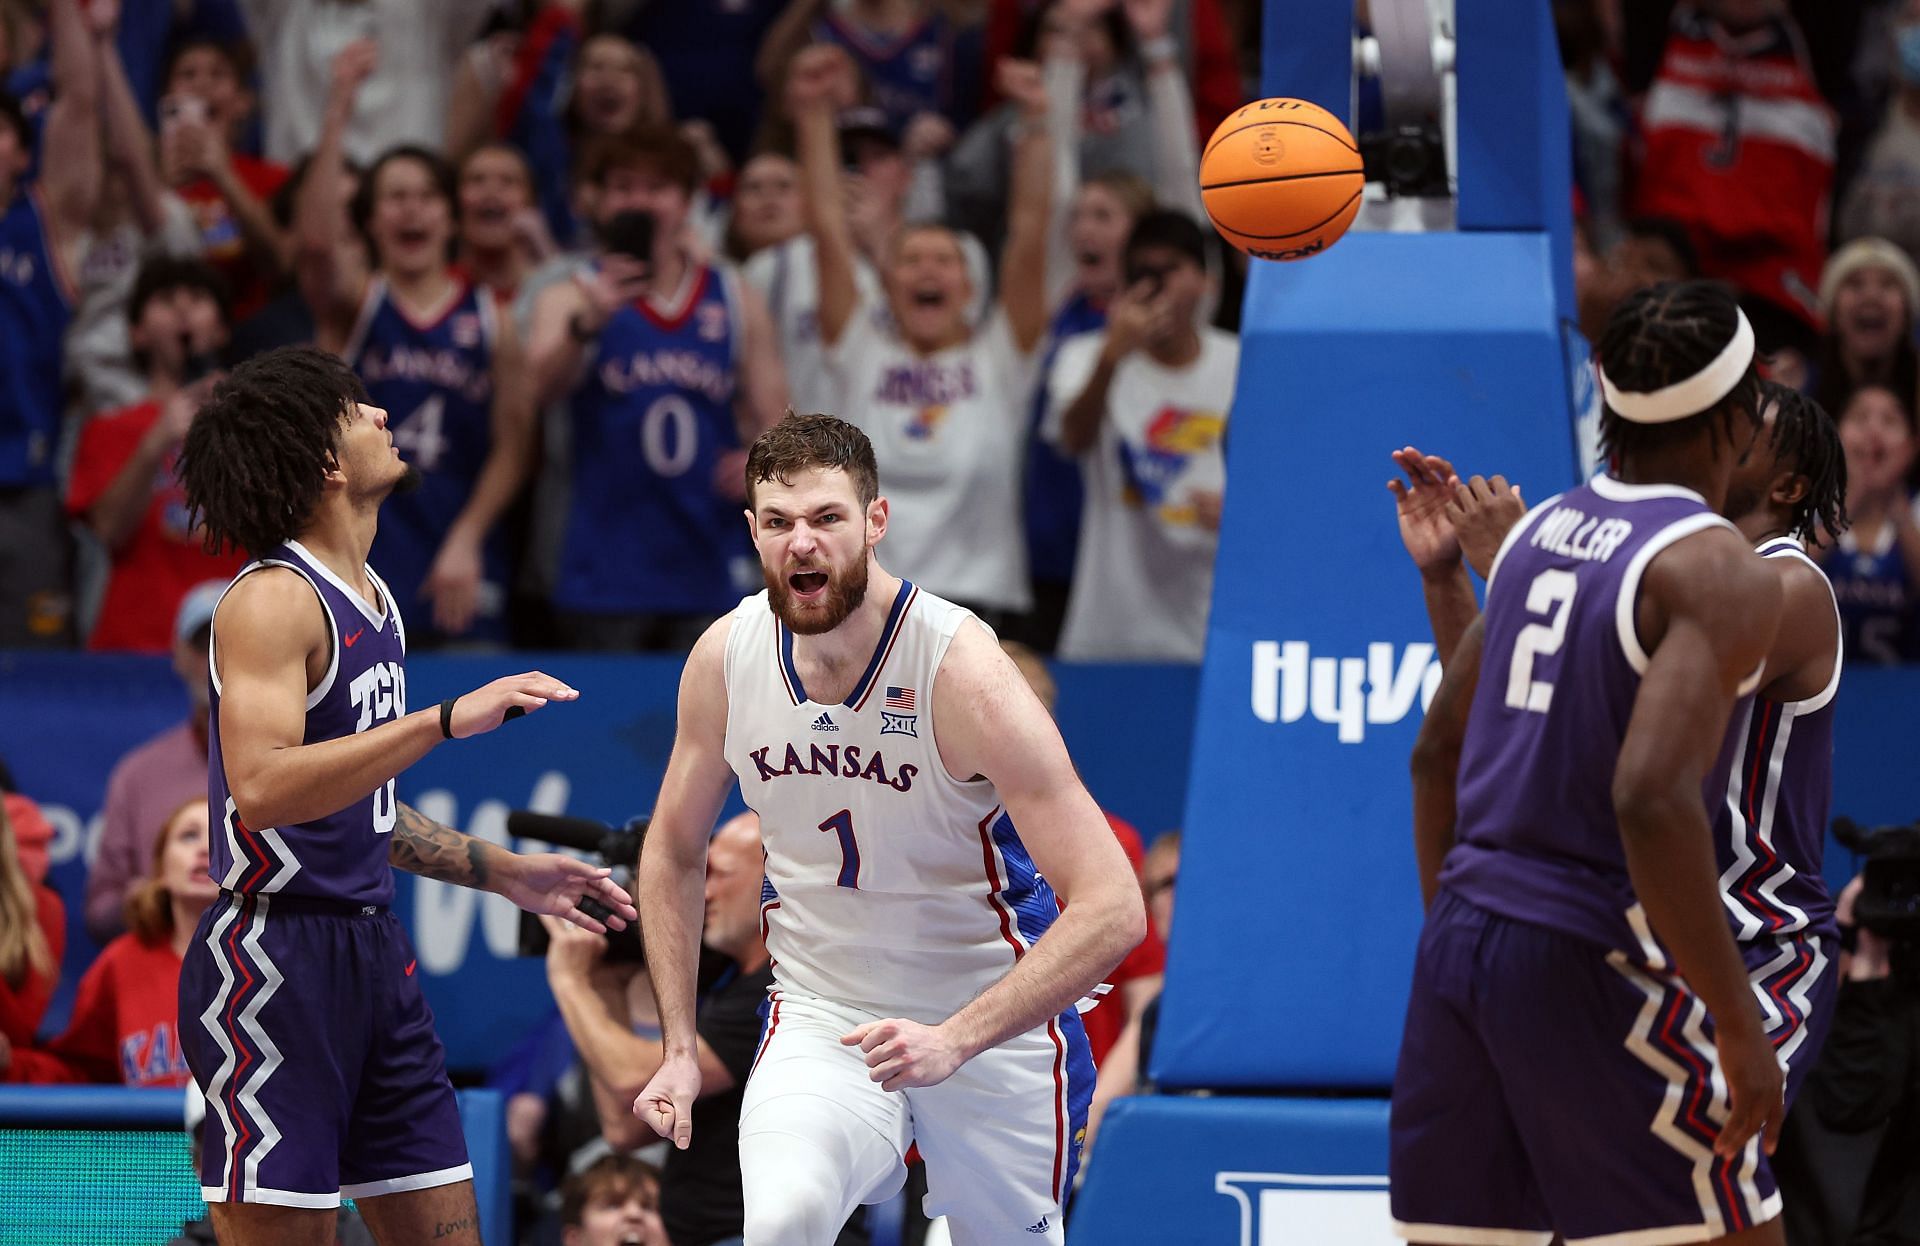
{"x":900,"y":700}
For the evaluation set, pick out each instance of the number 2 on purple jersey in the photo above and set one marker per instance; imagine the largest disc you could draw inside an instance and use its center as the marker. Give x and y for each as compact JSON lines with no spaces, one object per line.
{"x":841,"y":824}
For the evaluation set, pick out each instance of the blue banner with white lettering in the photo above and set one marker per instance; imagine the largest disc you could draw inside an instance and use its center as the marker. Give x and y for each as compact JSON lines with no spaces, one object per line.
{"x":66,"y":719}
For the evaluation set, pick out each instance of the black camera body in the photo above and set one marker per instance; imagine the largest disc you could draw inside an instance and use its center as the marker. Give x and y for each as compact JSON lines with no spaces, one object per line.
{"x":1889,"y":899}
{"x":617,"y":847}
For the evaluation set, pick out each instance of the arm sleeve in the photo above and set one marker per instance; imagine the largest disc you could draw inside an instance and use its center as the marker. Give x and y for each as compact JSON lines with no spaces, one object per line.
{"x":730,"y":1023}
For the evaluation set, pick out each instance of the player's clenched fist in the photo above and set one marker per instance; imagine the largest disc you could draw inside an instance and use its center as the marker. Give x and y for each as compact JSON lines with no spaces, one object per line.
{"x":666,"y":1104}
{"x":483,"y":709}
{"x":901,"y":1054}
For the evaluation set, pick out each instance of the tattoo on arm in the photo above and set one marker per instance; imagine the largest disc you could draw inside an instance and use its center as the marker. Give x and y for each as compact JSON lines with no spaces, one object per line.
{"x":425,"y":847}
{"x":450,"y":1228}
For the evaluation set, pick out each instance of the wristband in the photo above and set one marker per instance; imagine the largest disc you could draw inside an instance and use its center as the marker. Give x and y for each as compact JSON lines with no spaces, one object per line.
{"x":446,"y":717}
{"x":1159,"y":48}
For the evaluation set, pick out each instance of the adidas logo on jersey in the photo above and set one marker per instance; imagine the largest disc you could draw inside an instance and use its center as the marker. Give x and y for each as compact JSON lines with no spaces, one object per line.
{"x":825,"y":723}
{"x":1040,"y":1226}
{"x":1348,"y":693}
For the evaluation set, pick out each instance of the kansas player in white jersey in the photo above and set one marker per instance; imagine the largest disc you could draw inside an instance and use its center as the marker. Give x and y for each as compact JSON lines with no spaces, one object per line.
{"x":925,"y":976}
{"x":309,"y":1033}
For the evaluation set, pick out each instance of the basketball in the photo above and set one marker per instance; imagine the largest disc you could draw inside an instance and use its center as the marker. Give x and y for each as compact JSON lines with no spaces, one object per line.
{"x":1281,"y":179}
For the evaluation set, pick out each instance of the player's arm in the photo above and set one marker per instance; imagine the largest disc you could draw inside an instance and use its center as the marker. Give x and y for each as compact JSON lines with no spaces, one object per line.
{"x":1482,"y":513}
{"x":269,"y":635}
{"x":1804,"y":650}
{"x":1023,"y":260}
{"x":1436,"y":758}
{"x":673,"y":880}
{"x":989,"y":723}
{"x":1420,"y":505}
{"x":71,"y":167}
{"x":1713,"y":607}
{"x":453,"y":582}
{"x":539,"y":882}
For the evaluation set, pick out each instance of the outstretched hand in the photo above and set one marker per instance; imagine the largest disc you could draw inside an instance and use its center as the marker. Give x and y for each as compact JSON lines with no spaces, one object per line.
{"x":554,"y":885}
{"x":1421,"y":505}
{"x":483,"y":709}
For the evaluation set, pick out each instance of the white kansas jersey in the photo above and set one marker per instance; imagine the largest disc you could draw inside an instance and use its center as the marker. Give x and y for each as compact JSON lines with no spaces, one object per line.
{"x":891,"y":886}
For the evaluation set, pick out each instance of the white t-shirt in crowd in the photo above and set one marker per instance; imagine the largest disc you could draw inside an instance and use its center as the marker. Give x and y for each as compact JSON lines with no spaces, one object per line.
{"x":948,"y":431}
{"x":786,"y":274}
{"x":405,"y":99}
{"x":1144,"y":578}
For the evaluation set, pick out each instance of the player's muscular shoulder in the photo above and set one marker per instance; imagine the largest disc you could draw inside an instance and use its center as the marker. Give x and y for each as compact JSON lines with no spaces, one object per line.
{"x":272,"y":614}
{"x":980,"y":701}
{"x":703,"y":682}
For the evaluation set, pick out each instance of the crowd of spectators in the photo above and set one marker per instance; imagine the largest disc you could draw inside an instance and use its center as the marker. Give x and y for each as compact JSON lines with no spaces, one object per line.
{"x":582,"y":251}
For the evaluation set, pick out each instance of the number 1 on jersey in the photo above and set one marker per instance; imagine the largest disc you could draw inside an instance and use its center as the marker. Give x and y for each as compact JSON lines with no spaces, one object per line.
{"x":841,"y":824}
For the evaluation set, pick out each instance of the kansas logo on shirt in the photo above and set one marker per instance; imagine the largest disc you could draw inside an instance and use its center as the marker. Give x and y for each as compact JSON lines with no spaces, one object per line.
{"x":1151,"y":471}
{"x":925,"y":423}
{"x":898,"y":713}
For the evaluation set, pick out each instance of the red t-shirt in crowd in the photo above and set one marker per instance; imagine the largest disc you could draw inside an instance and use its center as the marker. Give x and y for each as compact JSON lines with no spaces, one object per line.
{"x":21,"y":1010}
{"x":162,"y":559}
{"x":224,"y":240}
{"x":1106,"y":1019}
{"x":125,"y":1024}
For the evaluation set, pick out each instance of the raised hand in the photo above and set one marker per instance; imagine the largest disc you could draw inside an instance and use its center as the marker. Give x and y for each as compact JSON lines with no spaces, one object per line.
{"x":1482,"y":512}
{"x":353,"y":65}
{"x":1024,"y":83}
{"x":483,"y":709}
{"x":1136,"y":315}
{"x":1420,"y":503}
{"x":928,"y":136}
{"x":821,"y":76}
{"x":1150,"y":19}
{"x":612,"y":283}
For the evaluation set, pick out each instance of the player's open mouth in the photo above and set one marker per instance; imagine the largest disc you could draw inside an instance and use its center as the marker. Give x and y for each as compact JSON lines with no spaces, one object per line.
{"x":411,"y":237}
{"x":633,"y":1239}
{"x":929,"y":298}
{"x":807,"y":584}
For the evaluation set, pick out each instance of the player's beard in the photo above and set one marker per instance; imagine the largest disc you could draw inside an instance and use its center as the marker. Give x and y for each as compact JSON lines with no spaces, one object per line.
{"x":846,"y":589}
{"x":410,"y":480}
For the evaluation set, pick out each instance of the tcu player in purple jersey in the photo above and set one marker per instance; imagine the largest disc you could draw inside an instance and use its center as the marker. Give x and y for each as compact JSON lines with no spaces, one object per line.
{"x":1583,"y":1053}
{"x":1772,"y":788}
{"x":303,"y":1020}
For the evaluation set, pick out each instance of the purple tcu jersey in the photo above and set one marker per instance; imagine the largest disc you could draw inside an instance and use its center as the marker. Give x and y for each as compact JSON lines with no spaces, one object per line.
{"x":1560,"y":667}
{"x":342,"y":856}
{"x":1769,"y":797}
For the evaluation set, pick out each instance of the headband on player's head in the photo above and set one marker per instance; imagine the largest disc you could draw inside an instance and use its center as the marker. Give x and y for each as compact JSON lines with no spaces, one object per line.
{"x":1687,"y":397}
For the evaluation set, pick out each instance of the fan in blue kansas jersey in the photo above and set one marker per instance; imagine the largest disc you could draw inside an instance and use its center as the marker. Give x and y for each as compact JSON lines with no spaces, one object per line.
{"x":301,"y":1009}
{"x":40,"y":231}
{"x":667,"y":366}
{"x":1876,"y":565}
{"x":433,"y":350}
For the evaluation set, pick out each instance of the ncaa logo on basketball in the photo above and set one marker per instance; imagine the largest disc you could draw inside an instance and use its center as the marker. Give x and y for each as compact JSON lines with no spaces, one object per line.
{"x":1347,"y":693}
{"x":1267,"y":147}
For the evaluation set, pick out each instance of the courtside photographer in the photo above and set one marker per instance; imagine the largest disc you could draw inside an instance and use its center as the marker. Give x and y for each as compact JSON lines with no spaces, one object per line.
{"x":1850,"y":1165}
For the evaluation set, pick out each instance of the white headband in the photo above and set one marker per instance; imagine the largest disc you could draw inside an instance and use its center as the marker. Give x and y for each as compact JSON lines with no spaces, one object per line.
{"x":1691,"y":396}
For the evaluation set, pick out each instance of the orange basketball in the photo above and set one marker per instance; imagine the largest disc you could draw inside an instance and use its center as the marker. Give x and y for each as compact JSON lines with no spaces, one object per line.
{"x":1281,"y":179}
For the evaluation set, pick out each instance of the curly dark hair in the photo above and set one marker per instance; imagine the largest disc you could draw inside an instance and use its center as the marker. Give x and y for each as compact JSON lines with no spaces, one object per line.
{"x":1805,"y":435}
{"x":257,"y":455}
{"x":1659,"y":336}
{"x":799,"y":442}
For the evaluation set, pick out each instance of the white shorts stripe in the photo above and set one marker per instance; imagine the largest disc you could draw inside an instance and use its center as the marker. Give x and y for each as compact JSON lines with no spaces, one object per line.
{"x":399,"y":1185}
{"x":271,"y":1059}
{"x":1456,"y":1235}
{"x":216,"y":1087}
{"x":272,"y":1198}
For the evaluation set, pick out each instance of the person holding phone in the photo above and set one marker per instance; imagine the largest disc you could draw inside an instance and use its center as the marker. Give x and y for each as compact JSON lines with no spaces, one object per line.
{"x":668,"y":366}
{"x":433,"y":348}
{"x":122,"y":485}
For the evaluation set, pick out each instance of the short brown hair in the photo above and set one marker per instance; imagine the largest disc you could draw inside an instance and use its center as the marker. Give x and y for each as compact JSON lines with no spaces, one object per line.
{"x":799,"y":442}
{"x":616,"y":1176}
{"x":659,"y":148}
